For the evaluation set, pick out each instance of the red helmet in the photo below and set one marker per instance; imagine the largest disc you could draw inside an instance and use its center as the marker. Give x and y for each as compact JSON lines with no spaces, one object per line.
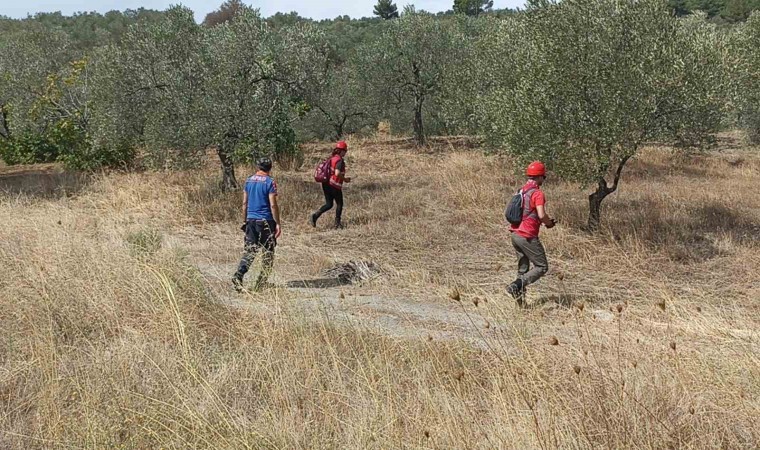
{"x":341,"y":145}
{"x":536,"y":169}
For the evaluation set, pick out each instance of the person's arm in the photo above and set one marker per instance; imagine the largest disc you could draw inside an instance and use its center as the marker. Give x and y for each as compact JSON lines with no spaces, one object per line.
{"x":275,"y":213}
{"x":245,"y":206}
{"x":340,"y":172}
{"x":544,"y":217}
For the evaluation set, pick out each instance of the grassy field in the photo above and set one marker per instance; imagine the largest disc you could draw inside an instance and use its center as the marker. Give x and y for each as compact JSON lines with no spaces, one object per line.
{"x":119,"y":328}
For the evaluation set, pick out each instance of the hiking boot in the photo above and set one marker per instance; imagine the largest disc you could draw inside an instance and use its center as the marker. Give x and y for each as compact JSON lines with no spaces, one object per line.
{"x":237,"y":282}
{"x":517,"y":291}
{"x":313,"y":221}
{"x":339,"y":226}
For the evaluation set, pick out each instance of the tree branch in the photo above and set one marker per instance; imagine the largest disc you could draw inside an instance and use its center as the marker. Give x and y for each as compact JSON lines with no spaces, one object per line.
{"x":146,"y":88}
{"x":618,"y":172}
{"x":327,"y":114}
{"x":603,"y":188}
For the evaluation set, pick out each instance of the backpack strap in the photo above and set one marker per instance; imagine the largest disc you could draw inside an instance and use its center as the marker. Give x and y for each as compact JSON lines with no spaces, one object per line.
{"x":527,"y":211}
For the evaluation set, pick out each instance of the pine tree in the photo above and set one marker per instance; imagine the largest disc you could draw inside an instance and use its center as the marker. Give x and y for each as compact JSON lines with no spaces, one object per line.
{"x":386,"y":9}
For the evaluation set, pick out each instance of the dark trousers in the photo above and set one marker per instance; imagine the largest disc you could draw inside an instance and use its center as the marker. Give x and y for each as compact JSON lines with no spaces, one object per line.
{"x":259,"y":238}
{"x":529,"y":251}
{"x":332,"y":195}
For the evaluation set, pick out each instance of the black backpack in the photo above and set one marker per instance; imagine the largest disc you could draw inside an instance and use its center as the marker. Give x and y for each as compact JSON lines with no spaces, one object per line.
{"x":516,"y":207}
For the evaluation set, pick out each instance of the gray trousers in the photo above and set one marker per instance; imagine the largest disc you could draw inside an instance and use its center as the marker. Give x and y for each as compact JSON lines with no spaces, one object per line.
{"x":529,"y":251}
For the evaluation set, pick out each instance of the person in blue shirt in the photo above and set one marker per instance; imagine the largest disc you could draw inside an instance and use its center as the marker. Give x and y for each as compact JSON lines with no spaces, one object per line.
{"x":262,"y":224}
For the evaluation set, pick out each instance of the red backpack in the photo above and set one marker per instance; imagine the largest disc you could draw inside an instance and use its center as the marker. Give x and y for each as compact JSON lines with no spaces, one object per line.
{"x":323,"y":172}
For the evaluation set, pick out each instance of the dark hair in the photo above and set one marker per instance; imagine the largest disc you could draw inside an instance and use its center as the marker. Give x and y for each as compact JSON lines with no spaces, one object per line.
{"x":337,"y":151}
{"x":264,"y":163}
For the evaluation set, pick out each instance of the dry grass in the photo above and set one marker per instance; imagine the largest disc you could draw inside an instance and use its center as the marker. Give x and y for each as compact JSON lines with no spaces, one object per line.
{"x":112,"y":337}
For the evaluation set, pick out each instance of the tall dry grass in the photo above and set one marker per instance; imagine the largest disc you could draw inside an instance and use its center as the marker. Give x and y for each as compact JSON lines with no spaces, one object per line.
{"x":642,"y":337}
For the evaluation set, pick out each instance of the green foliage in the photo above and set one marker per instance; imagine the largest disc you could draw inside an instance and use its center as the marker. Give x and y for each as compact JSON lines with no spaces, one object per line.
{"x":28,"y":148}
{"x":347,"y":36}
{"x":409,"y":63}
{"x":456,"y":108}
{"x":251,"y":75}
{"x":147,"y":90}
{"x":46,"y":100}
{"x":87,"y":30}
{"x":337,"y":102}
{"x":716,"y":10}
{"x":282,"y":20}
{"x":472,"y":7}
{"x":146,"y":241}
{"x":582,"y":83}
{"x":744,"y":69}
{"x":386,"y":9}
{"x":633,"y":74}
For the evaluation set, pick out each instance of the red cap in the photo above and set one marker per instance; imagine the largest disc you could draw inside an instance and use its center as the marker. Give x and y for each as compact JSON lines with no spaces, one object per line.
{"x":341,"y":145}
{"x":536,"y":169}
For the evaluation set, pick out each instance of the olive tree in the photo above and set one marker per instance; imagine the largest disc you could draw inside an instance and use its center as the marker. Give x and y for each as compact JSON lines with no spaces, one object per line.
{"x":406,"y":66}
{"x":44,"y":96}
{"x":584,"y":84}
{"x":178,"y":88}
{"x":149,"y":88}
{"x":255,"y":78}
{"x":472,"y":75}
{"x":746,"y":75}
{"x":337,"y":103}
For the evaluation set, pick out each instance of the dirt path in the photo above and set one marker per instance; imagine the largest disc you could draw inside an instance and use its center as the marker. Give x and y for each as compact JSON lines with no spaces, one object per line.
{"x":358,"y":306}
{"x":322,"y":299}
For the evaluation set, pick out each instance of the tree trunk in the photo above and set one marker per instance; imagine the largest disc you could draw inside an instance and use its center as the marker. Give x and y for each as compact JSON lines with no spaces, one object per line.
{"x":338,"y":127}
{"x":5,"y":131}
{"x":229,"y":181}
{"x":595,"y":206}
{"x":419,"y":130}
{"x":602,"y":191}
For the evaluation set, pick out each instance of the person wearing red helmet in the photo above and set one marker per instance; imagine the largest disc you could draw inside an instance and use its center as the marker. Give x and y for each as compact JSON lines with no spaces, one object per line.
{"x":333,"y":187}
{"x":525,"y":236}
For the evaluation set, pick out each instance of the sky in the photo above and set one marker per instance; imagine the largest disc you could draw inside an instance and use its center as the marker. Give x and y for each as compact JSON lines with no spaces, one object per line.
{"x":316,"y":9}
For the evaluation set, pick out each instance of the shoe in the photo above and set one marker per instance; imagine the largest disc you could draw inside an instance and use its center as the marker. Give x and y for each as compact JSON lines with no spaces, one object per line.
{"x":339,"y":226}
{"x":313,"y":221}
{"x":237,"y":282}
{"x":517,"y":291}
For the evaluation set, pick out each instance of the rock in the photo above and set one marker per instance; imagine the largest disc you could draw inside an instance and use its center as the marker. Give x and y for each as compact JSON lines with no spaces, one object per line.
{"x":603,"y":315}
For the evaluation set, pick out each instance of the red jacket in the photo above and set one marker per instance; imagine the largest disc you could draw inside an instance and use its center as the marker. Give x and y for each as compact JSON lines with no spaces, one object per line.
{"x":336,"y":162}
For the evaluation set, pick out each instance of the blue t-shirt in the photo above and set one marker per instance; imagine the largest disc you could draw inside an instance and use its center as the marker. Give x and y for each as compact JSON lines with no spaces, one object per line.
{"x":258,"y":188}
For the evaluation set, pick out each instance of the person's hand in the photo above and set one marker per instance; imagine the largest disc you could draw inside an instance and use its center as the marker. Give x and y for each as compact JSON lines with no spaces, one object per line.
{"x":551,"y":224}
{"x":347,"y":179}
{"x":277,"y":231}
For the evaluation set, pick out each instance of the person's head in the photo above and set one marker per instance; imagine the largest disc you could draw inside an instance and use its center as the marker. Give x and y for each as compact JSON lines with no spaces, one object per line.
{"x":536,"y":171}
{"x":341,"y":148}
{"x":264,"y":164}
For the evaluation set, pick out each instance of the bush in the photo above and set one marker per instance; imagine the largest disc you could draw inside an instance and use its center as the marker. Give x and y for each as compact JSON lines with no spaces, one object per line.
{"x":28,"y":149}
{"x":144,"y":242}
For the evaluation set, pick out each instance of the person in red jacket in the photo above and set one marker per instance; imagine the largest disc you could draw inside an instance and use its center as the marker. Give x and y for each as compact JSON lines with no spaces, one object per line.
{"x":525,"y":236}
{"x":333,"y":188}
